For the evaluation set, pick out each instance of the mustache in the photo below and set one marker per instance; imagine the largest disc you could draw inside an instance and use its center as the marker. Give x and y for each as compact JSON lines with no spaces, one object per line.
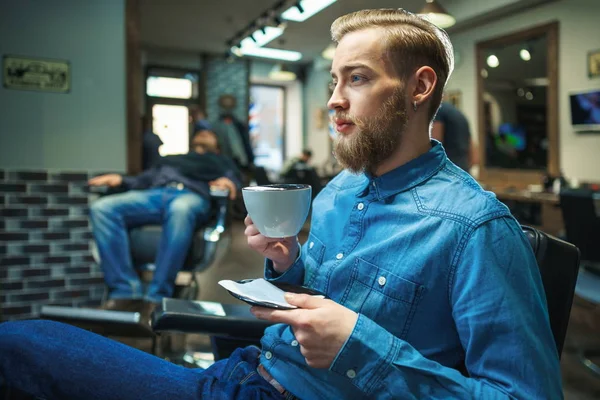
{"x":344,"y":116}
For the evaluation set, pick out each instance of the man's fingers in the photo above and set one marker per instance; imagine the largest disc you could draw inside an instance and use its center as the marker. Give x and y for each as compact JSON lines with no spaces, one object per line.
{"x":232,"y":191}
{"x":278,"y":316}
{"x":248,"y":220}
{"x":305,"y":301}
{"x":251,"y":230}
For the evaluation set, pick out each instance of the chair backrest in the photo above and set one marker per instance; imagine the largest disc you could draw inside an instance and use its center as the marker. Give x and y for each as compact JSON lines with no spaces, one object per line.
{"x":581,"y":215}
{"x":307,"y":175}
{"x":261,"y":177}
{"x":558,"y":262}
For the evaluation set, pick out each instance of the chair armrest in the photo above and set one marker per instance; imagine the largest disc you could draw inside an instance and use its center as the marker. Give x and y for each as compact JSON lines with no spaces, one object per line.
{"x":102,"y":322}
{"x":174,"y":315}
{"x":216,"y":193}
{"x":220,"y":198}
{"x":104,"y":190}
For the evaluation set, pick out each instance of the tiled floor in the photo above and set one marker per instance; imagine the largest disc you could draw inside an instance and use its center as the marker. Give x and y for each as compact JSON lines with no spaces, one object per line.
{"x":240,"y":262}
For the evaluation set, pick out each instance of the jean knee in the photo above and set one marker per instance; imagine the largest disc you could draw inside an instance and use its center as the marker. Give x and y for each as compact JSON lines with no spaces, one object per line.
{"x":182,"y":209}
{"x":101,"y":206}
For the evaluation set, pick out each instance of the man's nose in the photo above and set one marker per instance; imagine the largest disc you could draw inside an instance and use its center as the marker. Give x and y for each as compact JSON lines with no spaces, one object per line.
{"x":337,"y":100}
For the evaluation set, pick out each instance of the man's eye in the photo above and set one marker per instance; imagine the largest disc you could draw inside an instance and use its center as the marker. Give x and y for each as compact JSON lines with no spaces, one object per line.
{"x":356,"y":78}
{"x":332,"y":86}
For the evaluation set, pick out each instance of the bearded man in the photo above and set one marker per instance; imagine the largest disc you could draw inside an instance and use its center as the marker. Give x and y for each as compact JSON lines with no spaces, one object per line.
{"x":432,"y":289}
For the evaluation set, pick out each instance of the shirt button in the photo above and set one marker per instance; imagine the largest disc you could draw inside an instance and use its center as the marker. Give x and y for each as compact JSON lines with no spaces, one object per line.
{"x":339,"y":256}
{"x":311,"y":245}
{"x":360,"y":206}
{"x":381,"y":280}
{"x":294,"y":343}
{"x":268,"y":355}
{"x":351,"y":374}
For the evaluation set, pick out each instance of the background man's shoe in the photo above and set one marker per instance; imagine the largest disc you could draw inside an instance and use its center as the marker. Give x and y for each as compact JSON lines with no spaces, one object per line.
{"x":131,"y":305}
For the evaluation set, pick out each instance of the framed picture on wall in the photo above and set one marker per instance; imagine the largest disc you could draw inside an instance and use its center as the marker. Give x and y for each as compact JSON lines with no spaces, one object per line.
{"x":594,"y":64}
{"x":30,"y":73}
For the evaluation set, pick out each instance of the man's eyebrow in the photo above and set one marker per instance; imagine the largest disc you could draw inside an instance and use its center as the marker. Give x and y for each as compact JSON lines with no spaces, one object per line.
{"x":351,"y":67}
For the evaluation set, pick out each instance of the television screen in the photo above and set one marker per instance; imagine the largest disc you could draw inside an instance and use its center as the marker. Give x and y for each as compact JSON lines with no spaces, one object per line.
{"x":585,"y":110}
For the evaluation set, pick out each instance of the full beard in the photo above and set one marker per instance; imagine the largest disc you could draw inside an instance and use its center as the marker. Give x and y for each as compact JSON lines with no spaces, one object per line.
{"x":375,"y":138}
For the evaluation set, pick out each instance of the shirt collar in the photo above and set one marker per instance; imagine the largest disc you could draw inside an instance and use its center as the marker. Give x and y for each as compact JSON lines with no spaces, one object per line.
{"x":408,"y":175}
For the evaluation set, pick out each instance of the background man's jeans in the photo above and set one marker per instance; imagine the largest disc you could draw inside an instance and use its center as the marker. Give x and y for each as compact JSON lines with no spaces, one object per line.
{"x":179,"y":212}
{"x":51,"y":360}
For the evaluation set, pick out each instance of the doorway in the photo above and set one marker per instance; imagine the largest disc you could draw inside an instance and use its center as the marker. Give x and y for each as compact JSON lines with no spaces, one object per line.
{"x":170,"y":95}
{"x":267,"y":126}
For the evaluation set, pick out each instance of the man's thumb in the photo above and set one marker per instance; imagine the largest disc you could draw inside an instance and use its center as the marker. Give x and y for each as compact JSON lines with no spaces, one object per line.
{"x":304,"y":300}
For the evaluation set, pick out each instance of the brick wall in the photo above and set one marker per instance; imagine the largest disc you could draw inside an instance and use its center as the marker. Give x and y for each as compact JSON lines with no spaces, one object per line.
{"x":223,"y":77}
{"x":45,"y":239}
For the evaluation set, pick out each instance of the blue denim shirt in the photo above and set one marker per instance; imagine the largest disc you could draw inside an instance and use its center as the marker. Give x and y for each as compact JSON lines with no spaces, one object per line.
{"x":440,"y":274}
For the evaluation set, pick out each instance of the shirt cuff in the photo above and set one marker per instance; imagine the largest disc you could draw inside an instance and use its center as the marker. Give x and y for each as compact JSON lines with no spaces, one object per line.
{"x":294,"y":274}
{"x":366,"y":357}
{"x":128,"y":181}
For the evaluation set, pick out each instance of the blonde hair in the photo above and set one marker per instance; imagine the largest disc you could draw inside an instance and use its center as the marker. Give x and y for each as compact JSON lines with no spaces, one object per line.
{"x":411,"y":42}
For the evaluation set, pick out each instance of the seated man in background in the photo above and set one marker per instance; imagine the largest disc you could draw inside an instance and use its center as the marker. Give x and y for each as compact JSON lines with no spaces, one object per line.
{"x":300,"y":161}
{"x":176,"y":194}
{"x":426,"y":274}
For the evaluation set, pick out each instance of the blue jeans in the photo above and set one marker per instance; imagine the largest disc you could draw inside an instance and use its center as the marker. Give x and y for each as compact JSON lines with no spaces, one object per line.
{"x":179,"y":212}
{"x":51,"y":360}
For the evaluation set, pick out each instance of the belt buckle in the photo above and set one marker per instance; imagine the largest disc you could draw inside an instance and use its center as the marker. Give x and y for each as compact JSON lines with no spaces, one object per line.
{"x":176,"y":185}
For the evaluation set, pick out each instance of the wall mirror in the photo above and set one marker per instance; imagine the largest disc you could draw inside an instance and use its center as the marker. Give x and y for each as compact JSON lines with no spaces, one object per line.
{"x":518,"y":106}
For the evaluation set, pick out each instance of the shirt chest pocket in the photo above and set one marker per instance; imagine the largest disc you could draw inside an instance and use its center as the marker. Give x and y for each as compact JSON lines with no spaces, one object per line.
{"x":314,"y":249}
{"x":384,"y":297}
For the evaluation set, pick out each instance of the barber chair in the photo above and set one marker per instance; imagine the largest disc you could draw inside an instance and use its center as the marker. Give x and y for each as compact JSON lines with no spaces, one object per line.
{"x":210,"y":239}
{"x":307,"y":175}
{"x":233,"y":326}
{"x":261,"y":177}
{"x":581,"y":215}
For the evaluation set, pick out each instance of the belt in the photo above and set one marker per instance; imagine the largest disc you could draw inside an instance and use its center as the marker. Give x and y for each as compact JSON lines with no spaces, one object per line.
{"x":176,"y":185}
{"x":267,"y":377}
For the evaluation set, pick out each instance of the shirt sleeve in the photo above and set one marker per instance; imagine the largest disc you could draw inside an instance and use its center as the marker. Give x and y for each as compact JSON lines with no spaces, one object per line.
{"x":233,"y":173}
{"x":499,"y":308}
{"x":142,"y":181}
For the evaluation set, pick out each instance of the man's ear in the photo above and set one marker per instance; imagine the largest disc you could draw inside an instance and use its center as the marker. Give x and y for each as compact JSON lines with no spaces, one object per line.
{"x":426,"y":81}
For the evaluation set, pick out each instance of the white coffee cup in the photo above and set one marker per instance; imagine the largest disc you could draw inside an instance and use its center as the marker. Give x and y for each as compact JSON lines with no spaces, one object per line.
{"x":278,"y":210}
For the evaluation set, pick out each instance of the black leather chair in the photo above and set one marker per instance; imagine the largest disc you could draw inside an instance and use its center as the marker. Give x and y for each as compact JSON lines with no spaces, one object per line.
{"x":581,"y":216}
{"x":305,"y":174}
{"x":558,"y":262}
{"x":211,"y":238}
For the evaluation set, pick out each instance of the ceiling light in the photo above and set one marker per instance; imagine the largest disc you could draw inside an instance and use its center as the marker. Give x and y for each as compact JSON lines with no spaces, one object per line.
{"x":492,"y":61}
{"x":310,"y":7}
{"x":436,"y":14}
{"x":281,"y":72}
{"x":329,"y":52}
{"x":279,"y":22}
{"x":237,"y":51}
{"x":266,"y":52}
{"x":525,"y":54}
{"x":258,"y":38}
{"x":529,"y":95}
